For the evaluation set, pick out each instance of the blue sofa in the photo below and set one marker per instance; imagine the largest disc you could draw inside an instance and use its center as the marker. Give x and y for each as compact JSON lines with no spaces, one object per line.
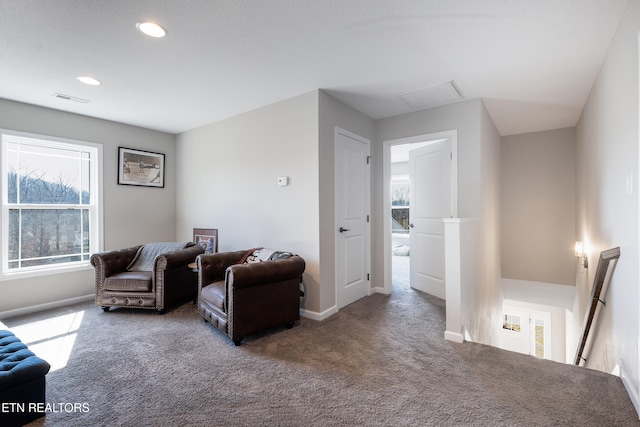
{"x":22,"y":381}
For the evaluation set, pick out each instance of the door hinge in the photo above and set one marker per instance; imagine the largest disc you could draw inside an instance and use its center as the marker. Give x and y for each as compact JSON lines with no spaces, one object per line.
{"x":367,"y":218}
{"x":451,"y":155}
{"x":368,"y":159}
{"x":368,"y":277}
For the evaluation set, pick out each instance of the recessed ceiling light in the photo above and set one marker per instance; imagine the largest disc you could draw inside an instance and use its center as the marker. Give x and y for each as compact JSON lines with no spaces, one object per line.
{"x":89,"y":80}
{"x":151,"y":29}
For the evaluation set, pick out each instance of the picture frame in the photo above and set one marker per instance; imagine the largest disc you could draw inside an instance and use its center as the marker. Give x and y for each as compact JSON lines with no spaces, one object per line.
{"x":207,"y":238}
{"x":141,"y":168}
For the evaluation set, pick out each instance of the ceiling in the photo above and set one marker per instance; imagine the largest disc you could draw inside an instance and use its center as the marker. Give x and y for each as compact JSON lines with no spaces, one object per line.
{"x":532,"y":62}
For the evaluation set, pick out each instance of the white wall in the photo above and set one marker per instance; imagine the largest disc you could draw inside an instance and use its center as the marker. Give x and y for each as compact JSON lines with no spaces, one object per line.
{"x":478,"y":196}
{"x":228,"y":180}
{"x":486,"y":316}
{"x":607,"y":209}
{"x":538,"y":206}
{"x":132,"y":215}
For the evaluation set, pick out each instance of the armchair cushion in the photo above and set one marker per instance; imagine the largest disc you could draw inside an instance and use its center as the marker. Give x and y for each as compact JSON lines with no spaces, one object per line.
{"x":135,"y":281}
{"x":214,"y":294}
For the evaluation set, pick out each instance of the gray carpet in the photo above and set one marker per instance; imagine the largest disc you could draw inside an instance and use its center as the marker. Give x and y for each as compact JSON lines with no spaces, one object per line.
{"x":381,"y":361}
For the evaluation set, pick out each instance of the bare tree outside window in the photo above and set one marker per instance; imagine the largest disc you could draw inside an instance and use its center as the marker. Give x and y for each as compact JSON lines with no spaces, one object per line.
{"x":49,"y":206}
{"x":400,"y":196}
{"x":46,"y":236}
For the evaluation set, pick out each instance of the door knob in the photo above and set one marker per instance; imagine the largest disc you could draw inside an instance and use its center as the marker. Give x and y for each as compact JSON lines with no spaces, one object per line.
{"x":411,"y":225}
{"x":342,"y":230}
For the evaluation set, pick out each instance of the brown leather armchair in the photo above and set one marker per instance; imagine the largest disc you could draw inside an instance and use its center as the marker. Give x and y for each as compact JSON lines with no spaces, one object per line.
{"x":241,"y":298}
{"x":168,"y":282}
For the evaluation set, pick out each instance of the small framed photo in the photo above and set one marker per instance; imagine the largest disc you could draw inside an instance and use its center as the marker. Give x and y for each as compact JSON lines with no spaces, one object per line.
{"x":207,"y":238}
{"x":137,"y":167}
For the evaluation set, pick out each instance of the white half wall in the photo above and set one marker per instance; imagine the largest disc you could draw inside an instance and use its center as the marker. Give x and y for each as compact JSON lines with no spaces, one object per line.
{"x":462,"y":268}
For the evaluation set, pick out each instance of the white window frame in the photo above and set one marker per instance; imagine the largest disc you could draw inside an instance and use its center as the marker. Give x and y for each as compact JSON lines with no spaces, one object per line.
{"x":96,"y":232}
{"x":402,"y":180}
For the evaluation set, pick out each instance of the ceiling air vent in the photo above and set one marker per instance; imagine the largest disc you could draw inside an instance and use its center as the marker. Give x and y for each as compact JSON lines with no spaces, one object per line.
{"x":70,"y":98}
{"x":444,"y":93}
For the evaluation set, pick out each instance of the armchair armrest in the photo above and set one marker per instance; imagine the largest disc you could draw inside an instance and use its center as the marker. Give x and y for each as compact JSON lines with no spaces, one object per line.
{"x":112,"y":262}
{"x":212,"y":267}
{"x":256,"y":274}
{"x":178,"y":258}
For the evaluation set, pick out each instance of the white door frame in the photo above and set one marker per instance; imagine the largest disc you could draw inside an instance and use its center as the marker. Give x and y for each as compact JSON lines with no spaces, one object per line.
{"x":452,"y":136}
{"x":366,"y":141}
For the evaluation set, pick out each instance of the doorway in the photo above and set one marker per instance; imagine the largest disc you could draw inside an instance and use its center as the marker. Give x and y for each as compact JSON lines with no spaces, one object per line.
{"x":527,"y":332}
{"x":399,"y":270}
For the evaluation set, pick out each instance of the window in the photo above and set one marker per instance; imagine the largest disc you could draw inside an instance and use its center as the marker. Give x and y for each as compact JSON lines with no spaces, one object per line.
{"x":538,"y":337}
{"x":511,"y":323}
{"x":51,"y":216}
{"x":400,"y":205}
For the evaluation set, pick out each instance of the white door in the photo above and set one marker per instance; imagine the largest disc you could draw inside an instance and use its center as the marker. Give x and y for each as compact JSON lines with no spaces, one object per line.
{"x":352,"y":217}
{"x":430,"y":201}
{"x":515,"y":330}
{"x":527,"y":332}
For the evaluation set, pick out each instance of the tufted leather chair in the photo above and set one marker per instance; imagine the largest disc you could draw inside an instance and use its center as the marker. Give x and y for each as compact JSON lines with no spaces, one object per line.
{"x":241,"y":299}
{"x":171,"y":280}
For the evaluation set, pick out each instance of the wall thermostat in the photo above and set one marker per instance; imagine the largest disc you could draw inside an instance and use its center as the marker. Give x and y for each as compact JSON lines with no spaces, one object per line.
{"x":283,"y":181}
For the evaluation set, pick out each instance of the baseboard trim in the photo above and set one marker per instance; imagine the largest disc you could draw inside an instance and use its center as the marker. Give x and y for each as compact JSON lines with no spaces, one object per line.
{"x":631,"y":389}
{"x":453,"y":336}
{"x":314,"y":315}
{"x":47,"y":306}
{"x":379,"y":290}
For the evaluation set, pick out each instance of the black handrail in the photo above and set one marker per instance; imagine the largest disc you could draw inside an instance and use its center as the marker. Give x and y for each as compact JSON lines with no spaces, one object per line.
{"x":596,"y":296}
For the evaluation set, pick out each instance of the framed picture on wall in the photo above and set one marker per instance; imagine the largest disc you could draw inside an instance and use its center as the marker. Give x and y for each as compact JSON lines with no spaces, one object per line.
{"x":143,"y":168}
{"x":207,"y":238}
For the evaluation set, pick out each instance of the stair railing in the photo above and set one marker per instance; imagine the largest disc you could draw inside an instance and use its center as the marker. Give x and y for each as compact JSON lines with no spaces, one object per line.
{"x":606,"y":265}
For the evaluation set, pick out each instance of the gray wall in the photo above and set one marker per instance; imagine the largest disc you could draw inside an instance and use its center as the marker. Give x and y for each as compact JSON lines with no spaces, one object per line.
{"x":228,"y":180}
{"x":230,"y":168}
{"x":538,"y":206}
{"x":607,"y":208}
{"x":132,"y":215}
{"x":478,"y":142}
{"x":333,"y":113}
